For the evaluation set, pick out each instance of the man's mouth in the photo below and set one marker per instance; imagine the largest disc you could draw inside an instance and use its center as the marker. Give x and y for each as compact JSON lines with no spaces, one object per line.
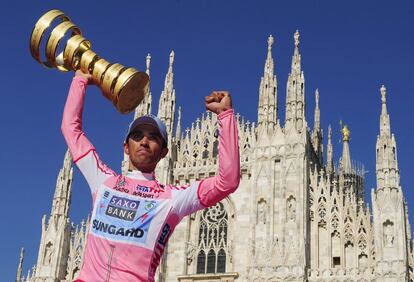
{"x":145,"y":151}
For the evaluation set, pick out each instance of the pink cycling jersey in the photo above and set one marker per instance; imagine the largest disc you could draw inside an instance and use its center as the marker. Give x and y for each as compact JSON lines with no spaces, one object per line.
{"x":133,"y":216}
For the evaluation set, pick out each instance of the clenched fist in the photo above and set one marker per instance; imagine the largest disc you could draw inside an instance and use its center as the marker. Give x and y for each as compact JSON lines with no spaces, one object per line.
{"x":218,"y":101}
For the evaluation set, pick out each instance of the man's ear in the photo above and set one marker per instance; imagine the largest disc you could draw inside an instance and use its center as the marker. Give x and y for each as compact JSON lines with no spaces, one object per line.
{"x":126,"y":149}
{"x":164,"y":152}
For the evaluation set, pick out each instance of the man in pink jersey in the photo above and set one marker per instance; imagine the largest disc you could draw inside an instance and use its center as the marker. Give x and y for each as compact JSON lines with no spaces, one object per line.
{"x":134,"y":215}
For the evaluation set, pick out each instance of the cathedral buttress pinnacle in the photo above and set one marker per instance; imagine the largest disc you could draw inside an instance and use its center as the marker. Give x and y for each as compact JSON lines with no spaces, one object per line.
{"x":267,"y":111}
{"x":317,"y":115}
{"x":144,"y":108}
{"x":61,"y":199}
{"x":387,"y":163}
{"x":329,"y":153}
{"x":166,"y":108}
{"x":178,"y":129}
{"x":317,"y":132}
{"x":346,"y":166}
{"x":295,"y":96}
{"x":389,"y":206}
{"x":20,"y":267}
{"x":54,"y":244}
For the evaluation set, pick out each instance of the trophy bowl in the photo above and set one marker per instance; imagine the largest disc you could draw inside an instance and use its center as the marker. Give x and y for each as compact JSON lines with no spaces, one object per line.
{"x":67,"y":50}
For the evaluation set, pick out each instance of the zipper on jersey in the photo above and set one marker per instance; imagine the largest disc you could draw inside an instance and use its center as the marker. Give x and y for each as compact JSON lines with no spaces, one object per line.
{"x":108,"y":263}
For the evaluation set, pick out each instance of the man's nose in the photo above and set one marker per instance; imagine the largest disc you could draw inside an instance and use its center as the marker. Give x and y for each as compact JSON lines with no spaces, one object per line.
{"x":144,"y":140}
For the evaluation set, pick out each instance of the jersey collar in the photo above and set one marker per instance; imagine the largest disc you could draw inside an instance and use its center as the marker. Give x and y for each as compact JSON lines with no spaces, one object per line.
{"x":136,"y":174}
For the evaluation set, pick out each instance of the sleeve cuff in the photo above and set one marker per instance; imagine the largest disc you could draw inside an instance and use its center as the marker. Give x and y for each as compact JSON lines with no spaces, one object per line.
{"x":80,"y":79}
{"x":225,"y":114}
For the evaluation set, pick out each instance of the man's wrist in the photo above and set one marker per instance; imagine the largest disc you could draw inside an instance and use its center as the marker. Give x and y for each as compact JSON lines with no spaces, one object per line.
{"x":219,"y":111}
{"x":81,"y":78}
{"x":225,"y":113}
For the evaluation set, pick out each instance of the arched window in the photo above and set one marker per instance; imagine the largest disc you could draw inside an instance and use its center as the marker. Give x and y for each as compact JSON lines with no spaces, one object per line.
{"x":201,"y":262}
{"x":215,"y":148}
{"x":205,"y":154}
{"x":212,"y":240}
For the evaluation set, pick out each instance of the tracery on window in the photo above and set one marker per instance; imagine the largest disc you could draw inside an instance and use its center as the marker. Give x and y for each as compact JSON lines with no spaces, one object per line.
{"x":212,"y":248}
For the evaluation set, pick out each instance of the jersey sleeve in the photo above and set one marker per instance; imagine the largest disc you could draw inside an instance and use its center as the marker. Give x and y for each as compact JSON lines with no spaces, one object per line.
{"x":83,"y":152}
{"x":208,"y":192}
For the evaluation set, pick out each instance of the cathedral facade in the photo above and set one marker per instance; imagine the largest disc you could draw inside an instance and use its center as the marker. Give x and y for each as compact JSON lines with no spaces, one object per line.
{"x":295,"y":216}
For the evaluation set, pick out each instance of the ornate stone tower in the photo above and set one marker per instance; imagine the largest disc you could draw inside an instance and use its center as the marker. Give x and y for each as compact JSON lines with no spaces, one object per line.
{"x":54,"y":243}
{"x":20,"y":266}
{"x":295,"y":98}
{"x":166,"y":112}
{"x":144,"y":108}
{"x":267,"y":110}
{"x":317,"y":133}
{"x":389,"y":206}
{"x":292,"y":164}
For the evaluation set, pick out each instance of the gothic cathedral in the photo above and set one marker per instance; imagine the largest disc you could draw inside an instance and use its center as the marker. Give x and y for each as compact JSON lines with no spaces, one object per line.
{"x":295,"y":216}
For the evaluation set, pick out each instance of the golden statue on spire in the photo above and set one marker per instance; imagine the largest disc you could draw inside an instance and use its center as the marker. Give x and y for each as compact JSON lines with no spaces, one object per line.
{"x":345,"y":133}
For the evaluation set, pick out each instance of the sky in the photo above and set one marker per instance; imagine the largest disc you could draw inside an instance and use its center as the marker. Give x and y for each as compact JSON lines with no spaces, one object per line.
{"x":349,"y":49}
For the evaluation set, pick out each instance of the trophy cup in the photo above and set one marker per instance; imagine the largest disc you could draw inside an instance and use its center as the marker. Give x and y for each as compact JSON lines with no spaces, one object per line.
{"x":125,"y":87}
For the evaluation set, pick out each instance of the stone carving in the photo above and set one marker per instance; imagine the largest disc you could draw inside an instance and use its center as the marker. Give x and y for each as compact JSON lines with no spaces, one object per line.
{"x":291,"y":208}
{"x":191,"y":248}
{"x":48,"y":254}
{"x":261,"y":212}
{"x":388,"y":233}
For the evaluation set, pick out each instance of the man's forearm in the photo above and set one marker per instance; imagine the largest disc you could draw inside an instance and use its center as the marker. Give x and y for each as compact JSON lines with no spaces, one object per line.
{"x":72,"y":119}
{"x":214,"y":189}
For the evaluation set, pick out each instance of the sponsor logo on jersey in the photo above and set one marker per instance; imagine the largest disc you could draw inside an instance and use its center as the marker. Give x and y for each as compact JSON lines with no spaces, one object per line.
{"x":165,"y":232}
{"x":112,"y":229}
{"x":123,"y":217}
{"x":122,"y":208}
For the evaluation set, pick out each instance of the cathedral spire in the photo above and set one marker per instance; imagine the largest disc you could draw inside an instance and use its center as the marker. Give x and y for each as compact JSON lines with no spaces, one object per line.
{"x":61,"y":199}
{"x":317,"y":115}
{"x":346,"y":166}
{"x":166,"y":108}
{"x":267,"y":111}
{"x":169,"y":79}
{"x":178,"y":129}
{"x":317,"y":132}
{"x":385,"y":128}
{"x":144,"y":108}
{"x":329,"y":154}
{"x":295,"y":96}
{"x":20,"y":267}
{"x":387,"y":163}
{"x":390,"y":224}
{"x":54,"y":243}
{"x":166,"y":112}
{"x":269,"y":67}
{"x":296,"y":67}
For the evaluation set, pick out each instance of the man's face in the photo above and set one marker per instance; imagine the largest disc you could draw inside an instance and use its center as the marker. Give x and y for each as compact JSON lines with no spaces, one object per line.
{"x":145,"y":148}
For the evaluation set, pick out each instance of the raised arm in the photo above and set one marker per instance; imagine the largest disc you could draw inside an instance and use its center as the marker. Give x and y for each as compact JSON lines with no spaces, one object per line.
{"x":82,"y":151}
{"x":226,"y":181}
{"x":208,"y":192}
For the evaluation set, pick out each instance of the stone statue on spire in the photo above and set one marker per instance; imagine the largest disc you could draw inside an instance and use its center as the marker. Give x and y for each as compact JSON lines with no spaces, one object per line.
{"x":317,"y":97}
{"x":148,"y":63}
{"x":296,"y":36}
{"x":171,"y":58}
{"x":270,"y":42}
{"x":383,"y":94}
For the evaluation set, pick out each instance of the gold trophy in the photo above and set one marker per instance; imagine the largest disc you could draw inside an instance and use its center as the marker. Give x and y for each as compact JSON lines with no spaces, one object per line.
{"x":125,"y":87}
